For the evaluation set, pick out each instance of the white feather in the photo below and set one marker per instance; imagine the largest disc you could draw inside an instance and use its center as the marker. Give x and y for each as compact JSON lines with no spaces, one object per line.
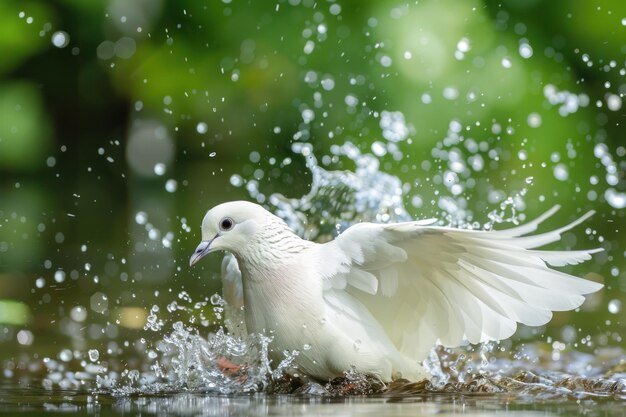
{"x":232,"y":294}
{"x":456,"y":285}
{"x":380,"y":296}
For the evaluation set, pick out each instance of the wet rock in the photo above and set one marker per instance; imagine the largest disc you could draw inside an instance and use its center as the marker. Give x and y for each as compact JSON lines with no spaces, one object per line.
{"x":353,"y":383}
{"x":531,"y":378}
{"x":481,"y":384}
{"x":311,"y":388}
{"x":286,"y":384}
{"x":406,"y":387}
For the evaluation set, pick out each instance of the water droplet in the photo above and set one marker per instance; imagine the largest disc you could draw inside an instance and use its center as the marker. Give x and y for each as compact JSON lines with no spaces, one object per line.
{"x":65,"y":355}
{"x":306,"y":346}
{"x":309,"y":46}
{"x":141,"y":217}
{"x":522,"y":155}
{"x":386,"y":61}
{"x":171,"y":185}
{"x":60,"y":39}
{"x":154,"y":234}
{"x":534,"y":120}
{"x":25,"y":337}
{"x":59,"y":276}
{"x":308,"y":116}
{"x":561,"y":172}
{"x":236,"y":180}
{"x":254,"y":157}
{"x":393,"y":125}
{"x":216,"y":300}
{"x":78,"y":313}
{"x":328,"y":83}
{"x":450,"y":93}
{"x":614,"y":102}
{"x":379,"y":149}
{"x":351,"y":100}
{"x":615,"y":306}
{"x":94,"y":355}
{"x":525,"y":50}
{"x":463,"y":45}
{"x":202,"y":128}
{"x":615,"y":198}
{"x":159,"y":168}
{"x":99,"y":302}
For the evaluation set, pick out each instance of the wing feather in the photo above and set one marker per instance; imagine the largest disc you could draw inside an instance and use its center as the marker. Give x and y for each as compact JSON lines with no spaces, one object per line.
{"x":529,"y":227}
{"x":426,"y":284}
{"x":232,"y":293}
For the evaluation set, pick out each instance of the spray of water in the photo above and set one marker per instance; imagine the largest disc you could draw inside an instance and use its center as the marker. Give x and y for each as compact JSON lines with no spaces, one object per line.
{"x":189,"y":358}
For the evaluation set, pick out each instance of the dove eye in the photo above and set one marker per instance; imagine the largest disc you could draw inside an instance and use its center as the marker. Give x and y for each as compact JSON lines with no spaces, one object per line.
{"x":226,"y":224}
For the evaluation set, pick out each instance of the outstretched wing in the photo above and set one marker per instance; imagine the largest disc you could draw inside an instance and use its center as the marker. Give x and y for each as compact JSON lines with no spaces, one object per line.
{"x":426,"y":283}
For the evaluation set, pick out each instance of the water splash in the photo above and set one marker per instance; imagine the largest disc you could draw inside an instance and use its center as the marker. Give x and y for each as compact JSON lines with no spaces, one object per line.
{"x":188,"y":360}
{"x":338,"y":199}
{"x":184,"y":360}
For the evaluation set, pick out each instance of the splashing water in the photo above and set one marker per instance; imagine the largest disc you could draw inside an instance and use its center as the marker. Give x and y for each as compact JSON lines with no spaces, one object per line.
{"x":191,"y":346}
{"x":190,"y":359}
{"x":186,"y":360}
{"x":338,"y":199}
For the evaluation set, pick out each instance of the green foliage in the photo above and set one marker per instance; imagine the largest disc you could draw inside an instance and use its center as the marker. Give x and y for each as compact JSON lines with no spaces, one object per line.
{"x":22,"y":31}
{"x":24,"y":128}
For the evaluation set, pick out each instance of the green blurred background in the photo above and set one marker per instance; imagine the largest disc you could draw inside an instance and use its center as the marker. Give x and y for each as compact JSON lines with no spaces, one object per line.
{"x":122,"y":122}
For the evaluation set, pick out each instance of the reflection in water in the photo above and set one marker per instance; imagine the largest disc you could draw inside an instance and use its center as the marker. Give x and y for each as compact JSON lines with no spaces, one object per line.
{"x":382,"y":406}
{"x":32,"y":402}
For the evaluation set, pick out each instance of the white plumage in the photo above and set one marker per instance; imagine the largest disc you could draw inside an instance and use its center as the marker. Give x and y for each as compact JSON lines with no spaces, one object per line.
{"x":380,"y":296}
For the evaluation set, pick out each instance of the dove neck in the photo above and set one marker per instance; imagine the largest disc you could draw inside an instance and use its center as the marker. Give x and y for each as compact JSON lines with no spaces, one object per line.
{"x":273,"y":246}
{"x":266,"y":255}
{"x":272,"y":255}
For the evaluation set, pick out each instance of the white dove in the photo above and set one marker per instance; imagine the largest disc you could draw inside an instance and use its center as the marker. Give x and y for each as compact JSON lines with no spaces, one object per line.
{"x":380,"y":296}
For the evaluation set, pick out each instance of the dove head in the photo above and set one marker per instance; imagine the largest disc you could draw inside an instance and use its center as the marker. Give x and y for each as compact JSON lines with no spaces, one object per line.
{"x":230,"y":227}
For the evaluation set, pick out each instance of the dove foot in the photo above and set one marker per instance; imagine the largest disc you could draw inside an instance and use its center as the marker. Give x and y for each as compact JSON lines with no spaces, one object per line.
{"x":231,"y":369}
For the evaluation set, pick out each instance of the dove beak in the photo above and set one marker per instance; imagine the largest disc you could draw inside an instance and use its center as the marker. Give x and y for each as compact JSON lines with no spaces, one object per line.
{"x":203,"y":249}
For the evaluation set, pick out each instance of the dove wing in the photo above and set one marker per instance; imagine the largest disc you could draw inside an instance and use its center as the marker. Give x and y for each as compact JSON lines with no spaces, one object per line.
{"x":427,"y":284}
{"x":232,"y":294}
